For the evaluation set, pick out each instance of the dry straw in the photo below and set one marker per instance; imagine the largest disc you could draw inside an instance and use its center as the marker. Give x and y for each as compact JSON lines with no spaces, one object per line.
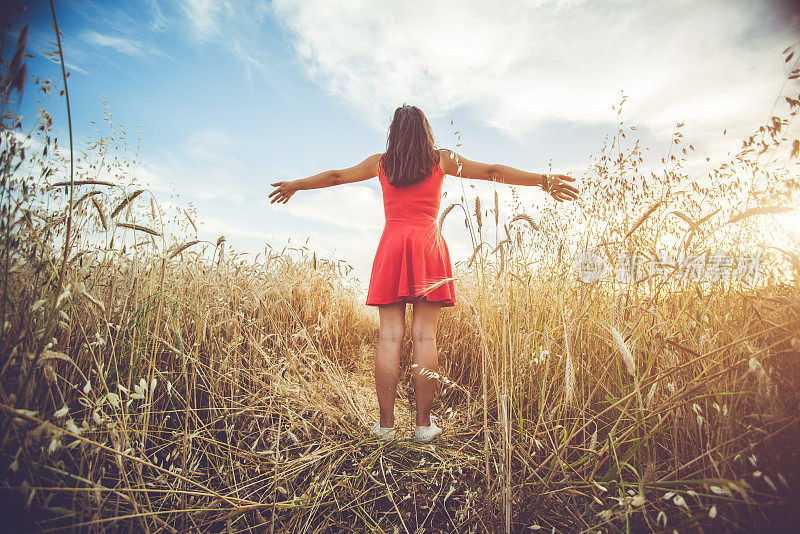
{"x":624,"y":352}
{"x":175,"y":391}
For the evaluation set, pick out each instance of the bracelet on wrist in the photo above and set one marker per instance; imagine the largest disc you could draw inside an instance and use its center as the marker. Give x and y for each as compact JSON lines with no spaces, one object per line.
{"x":545,"y":182}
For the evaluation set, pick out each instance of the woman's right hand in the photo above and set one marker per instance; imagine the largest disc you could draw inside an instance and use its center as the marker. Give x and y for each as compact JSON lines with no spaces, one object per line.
{"x":558,"y":189}
{"x":283,"y":192}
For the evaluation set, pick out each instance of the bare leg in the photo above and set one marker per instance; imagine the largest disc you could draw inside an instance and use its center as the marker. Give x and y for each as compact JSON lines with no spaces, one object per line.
{"x":387,"y":358}
{"x":423,"y":334}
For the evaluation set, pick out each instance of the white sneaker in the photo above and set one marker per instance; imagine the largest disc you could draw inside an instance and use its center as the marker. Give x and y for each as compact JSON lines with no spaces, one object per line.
{"x":386,"y":434}
{"x":425,"y":434}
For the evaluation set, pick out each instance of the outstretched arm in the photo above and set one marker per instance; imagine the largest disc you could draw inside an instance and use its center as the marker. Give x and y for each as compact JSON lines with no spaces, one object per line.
{"x":363,"y":171}
{"x":457,"y":165}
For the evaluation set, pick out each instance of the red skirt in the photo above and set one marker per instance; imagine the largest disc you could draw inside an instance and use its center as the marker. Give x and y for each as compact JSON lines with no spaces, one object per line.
{"x":409,"y":262}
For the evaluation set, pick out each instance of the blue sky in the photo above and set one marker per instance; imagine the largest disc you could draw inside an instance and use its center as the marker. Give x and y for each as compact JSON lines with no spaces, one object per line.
{"x":232,"y":95}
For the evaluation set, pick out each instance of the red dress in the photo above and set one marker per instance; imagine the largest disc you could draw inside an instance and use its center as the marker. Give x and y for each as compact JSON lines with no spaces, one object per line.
{"x":409,"y":258}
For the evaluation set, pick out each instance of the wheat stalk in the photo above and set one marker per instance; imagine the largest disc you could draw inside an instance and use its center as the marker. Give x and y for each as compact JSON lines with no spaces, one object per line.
{"x":627,"y":357}
{"x":100,"y":213}
{"x":644,"y":217}
{"x":125,"y":202}
{"x":440,"y":225}
{"x":527,"y":218}
{"x":139,"y":227}
{"x":85,"y":196}
{"x":760,"y":211}
{"x":80,"y":182}
{"x":182,"y":247}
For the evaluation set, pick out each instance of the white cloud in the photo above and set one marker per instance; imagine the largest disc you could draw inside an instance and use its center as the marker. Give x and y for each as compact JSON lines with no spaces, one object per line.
{"x":348,"y":206}
{"x":239,"y":26}
{"x":123,"y":45}
{"x":197,"y":181}
{"x":712,"y":64}
{"x":210,"y":144}
{"x":150,"y":179}
{"x":203,"y":16}
{"x":213,"y":227}
{"x":204,"y":168}
{"x":159,"y":20}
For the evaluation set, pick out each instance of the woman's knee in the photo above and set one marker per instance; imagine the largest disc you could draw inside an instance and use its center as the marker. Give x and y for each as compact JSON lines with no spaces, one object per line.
{"x":392,"y":327}
{"x":423,"y":325}
{"x":423,"y":333}
{"x":392,"y":333}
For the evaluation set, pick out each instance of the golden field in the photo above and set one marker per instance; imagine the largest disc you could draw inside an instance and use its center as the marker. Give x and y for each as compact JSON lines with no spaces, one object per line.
{"x":152,"y":381}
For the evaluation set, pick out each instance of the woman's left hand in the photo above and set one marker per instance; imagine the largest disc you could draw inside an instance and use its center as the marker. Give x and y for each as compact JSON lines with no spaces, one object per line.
{"x":283,"y":192}
{"x":559,"y":190}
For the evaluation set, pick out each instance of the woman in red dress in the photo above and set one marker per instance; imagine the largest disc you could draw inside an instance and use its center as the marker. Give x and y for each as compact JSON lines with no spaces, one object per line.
{"x":412,"y":262}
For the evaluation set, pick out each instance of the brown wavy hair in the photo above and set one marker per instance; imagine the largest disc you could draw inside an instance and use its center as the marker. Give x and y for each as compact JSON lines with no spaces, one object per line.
{"x":410,"y":148}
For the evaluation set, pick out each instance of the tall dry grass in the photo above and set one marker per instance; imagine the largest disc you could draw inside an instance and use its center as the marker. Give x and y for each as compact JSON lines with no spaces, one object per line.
{"x":160,"y":382}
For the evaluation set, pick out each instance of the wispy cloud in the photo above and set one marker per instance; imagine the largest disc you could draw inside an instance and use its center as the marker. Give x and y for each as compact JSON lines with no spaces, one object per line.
{"x":203,"y":16}
{"x":198,"y":182}
{"x":106,"y":32}
{"x":350,"y":206}
{"x":210,"y":146}
{"x":514,"y":66}
{"x":121,"y":44}
{"x":243,"y":28}
{"x":159,"y":20}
